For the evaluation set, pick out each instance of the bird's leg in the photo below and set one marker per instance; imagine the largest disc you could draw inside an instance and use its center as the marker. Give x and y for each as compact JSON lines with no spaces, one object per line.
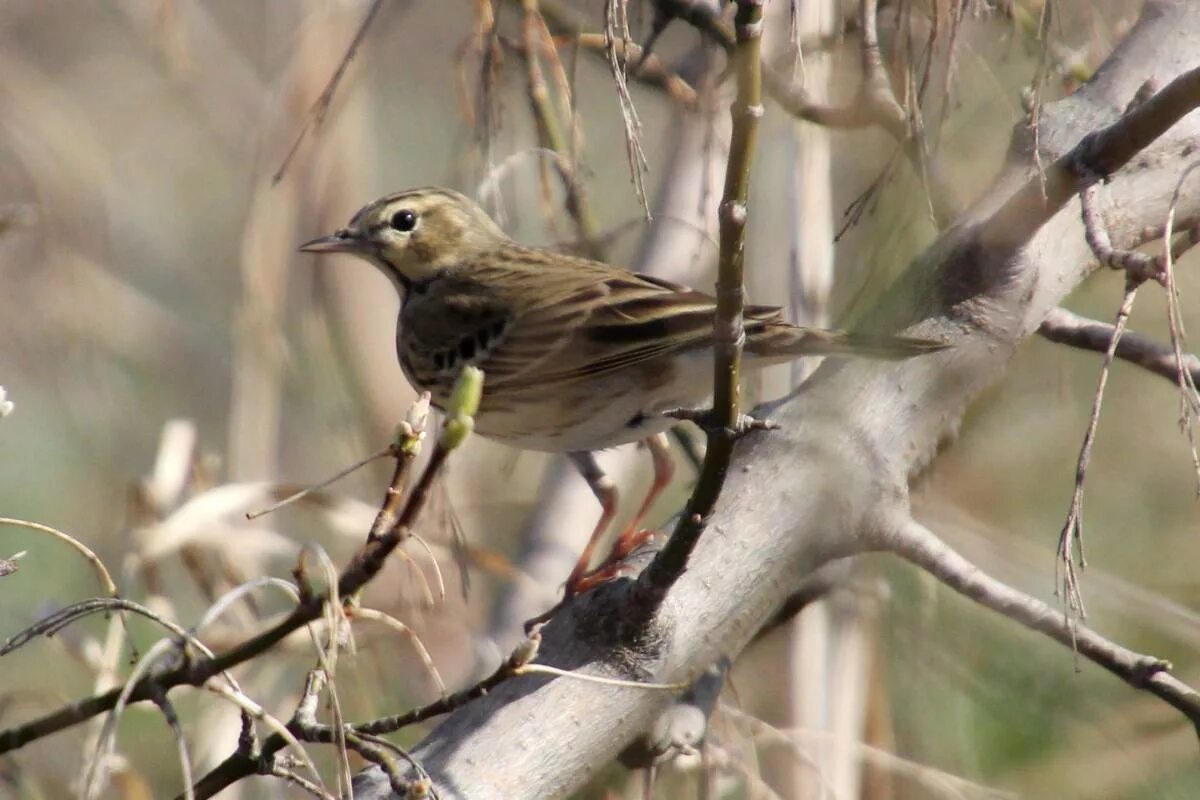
{"x":606,"y":492}
{"x":664,"y":470}
{"x":633,"y":536}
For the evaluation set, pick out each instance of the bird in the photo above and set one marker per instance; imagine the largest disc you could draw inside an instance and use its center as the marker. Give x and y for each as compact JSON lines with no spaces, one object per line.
{"x":578,"y":355}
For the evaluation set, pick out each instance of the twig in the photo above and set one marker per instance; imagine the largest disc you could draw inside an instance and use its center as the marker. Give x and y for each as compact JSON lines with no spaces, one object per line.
{"x":185,"y":763}
{"x":875,"y":104}
{"x":545,"y":669}
{"x":253,"y":710}
{"x":335,"y":625}
{"x":931,"y":779}
{"x":645,"y":68}
{"x":105,"y":576}
{"x":616,"y":29}
{"x":522,"y":654}
{"x":316,"y":487}
{"x":406,"y":447}
{"x":316,"y":114}
{"x":1072,"y":531}
{"x":94,"y":766}
{"x":728,"y":330}
{"x":242,"y":764}
{"x":536,"y":38}
{"x":225,"y":601}
{"x":408,"y":633}
{"x":376,"y":750}
{"x":1139,"y":266}
{"x":1189,"y":399}
{"x":299,"y":781}
{"x":437,"y":572}
{"x":365,"y":565}
{"x":52,"y":624}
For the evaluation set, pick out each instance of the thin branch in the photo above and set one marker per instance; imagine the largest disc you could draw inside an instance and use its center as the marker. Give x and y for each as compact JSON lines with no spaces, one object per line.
{"x":1189,"y":398}
{"x":365,"y":565}
{"x":243,"y":763}
{"x":1139,"y":266}
{"x":874,"y":105}
{"x":522,"y":654}
{"x":649,"y":70}
{"x":616,"y":30}
{"x":253,"y":710}
{"x":1066,"y":327}
{"x":567,"y":23}
{"x":917,"y":544}
{"x":52,"y":624}
{"x":299,"y":781}
{"x":300,"y":494}
{"x":725,"y":423}
{"x":406,"y":447}
{"x":105,"y":576}
{"x":185,"y":762}
{"x":408,"y":633}
{"x":536,"y":39}
{"x":1071,"y":536}
{"x":316,"y":114}
{"x":933,"y":782}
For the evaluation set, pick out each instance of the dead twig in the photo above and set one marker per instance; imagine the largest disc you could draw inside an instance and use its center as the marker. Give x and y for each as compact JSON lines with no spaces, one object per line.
{"x":616,"y":29}
{"x":1189,"y":398}
{"x":320,"y":107}
{"x":1070,"y":540}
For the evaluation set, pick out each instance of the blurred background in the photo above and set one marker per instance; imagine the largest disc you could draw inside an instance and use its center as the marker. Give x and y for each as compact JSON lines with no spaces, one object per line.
{"x":174,"y":363}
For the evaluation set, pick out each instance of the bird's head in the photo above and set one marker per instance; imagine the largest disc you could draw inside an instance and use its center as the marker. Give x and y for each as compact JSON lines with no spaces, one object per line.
{"x":413,"y":234}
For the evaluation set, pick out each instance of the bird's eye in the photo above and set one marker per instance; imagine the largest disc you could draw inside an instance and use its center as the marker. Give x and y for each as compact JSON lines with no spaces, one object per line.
{"x":404,"y":220}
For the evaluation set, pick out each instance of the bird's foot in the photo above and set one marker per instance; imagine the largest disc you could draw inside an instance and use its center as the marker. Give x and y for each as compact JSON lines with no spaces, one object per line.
{"x":582,"y":581}
{"x":610,"y":569}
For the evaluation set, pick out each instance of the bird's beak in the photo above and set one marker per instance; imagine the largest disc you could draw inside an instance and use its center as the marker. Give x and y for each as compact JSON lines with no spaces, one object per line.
{"x":341,"y":242}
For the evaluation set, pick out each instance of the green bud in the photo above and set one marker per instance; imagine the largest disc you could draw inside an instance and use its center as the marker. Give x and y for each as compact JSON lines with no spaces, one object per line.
{"x":468,"y":390}
{"x":456,"y":431}
{"x":463,"y":405}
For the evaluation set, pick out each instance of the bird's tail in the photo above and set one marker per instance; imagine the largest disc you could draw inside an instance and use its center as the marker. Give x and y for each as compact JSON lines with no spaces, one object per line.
{"x":783,"y":341}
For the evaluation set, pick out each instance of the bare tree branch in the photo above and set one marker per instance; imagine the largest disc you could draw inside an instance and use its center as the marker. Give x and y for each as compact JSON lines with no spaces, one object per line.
{"x":1067,"y":327}
{"x":365,"y":565}
{"x":725,"y":423}
{"x":916,"y":543}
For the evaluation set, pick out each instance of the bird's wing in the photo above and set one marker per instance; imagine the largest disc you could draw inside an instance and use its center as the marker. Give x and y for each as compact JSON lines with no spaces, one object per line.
{"x":585,"y":329}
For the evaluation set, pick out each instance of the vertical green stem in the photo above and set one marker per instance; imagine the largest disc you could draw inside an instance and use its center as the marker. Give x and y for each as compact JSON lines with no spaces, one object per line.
{"x":728,"y":333}
{"x":728,"y":330}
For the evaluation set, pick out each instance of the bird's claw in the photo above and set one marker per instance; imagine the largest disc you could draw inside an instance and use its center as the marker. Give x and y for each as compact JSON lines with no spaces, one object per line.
{"x":703,"y":418}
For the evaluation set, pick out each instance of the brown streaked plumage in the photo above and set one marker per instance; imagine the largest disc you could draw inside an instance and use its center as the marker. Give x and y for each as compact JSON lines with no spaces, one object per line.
{"x":577,"y":355}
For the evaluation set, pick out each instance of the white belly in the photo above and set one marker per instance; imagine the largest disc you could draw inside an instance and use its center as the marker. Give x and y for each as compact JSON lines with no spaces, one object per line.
{"x":601,"y":412}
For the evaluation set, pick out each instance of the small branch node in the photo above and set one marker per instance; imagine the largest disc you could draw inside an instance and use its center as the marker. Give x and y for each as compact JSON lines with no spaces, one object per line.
{"x":733,"y":212}
{"x":749,"y":30}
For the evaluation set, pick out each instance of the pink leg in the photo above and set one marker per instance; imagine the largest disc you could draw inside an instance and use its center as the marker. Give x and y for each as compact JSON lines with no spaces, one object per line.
{"x":602,"y":486}
{"x":633,"y":536}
